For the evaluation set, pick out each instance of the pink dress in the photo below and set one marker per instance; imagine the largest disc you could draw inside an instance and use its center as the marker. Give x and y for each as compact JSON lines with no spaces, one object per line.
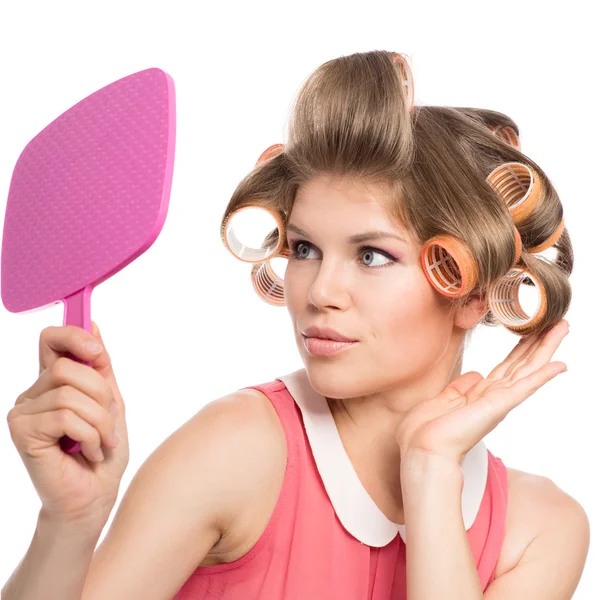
{"x":327,"y":539}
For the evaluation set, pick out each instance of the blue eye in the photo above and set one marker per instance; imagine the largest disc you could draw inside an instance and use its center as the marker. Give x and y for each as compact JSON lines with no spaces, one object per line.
{"x":300,"y":250}
{"x":297,"y":249}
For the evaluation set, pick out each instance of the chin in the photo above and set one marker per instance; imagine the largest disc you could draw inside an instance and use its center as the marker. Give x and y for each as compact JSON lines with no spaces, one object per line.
{"x":336,"y":379}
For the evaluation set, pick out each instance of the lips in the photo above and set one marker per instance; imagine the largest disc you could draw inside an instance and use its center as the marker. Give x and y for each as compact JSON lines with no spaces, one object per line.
{"x":326,"y":333}
{"x":319,"y":347}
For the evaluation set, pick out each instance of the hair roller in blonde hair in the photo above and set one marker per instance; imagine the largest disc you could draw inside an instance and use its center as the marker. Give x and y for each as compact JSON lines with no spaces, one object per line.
{"x":270,"y":152}
{"x":407,"y":78}
{"x":519,"y":186}
{"x":506,"y":134}
{"x":267,"y":284}
{"x":504,"y":301}
{"x":449,"y":266}
{"x":247,"y":253}
{"x":231,"y":240}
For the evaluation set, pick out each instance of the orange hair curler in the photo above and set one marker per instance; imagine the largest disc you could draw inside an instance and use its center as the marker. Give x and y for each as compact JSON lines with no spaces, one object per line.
{"x":449,"y":266}
{"x":519,"y":186}
{"x":232,"y":242}
{"x":506,"y":134}
{"x":504,"y":301}
{"x":408,"y":82}
{"x":267,"y":284}
{"x":247,"y":253}
{"x":270,"y":152}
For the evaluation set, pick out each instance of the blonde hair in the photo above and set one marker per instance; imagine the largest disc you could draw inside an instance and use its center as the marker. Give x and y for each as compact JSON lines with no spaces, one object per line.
{"x":351,"y":120}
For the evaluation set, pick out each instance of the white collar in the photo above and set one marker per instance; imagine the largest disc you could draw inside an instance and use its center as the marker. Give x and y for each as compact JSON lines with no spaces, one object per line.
{"x":356,"y":510}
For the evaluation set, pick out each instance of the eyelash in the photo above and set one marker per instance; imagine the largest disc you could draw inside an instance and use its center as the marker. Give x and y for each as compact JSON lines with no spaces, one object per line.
{"x":294,"y":244}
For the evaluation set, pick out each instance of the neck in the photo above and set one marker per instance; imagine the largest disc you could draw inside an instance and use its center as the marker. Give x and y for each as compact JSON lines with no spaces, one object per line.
{"x":367,"y":426}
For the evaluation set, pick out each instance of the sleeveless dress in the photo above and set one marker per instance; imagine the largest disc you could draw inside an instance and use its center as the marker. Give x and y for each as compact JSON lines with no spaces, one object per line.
{"x":326,"y":538}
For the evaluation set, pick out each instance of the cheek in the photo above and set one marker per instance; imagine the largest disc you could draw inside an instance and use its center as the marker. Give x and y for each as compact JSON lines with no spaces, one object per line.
{"x":410,"y":315}
{"x":296,"y":288}
{"x":403,"y":301}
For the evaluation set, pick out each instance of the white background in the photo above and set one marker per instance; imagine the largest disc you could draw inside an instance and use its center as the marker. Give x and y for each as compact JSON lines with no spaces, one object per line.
{"x":183,"y":323}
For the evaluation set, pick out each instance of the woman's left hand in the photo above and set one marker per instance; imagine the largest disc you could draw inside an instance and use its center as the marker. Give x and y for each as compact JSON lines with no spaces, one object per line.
{"x":450,"y":424}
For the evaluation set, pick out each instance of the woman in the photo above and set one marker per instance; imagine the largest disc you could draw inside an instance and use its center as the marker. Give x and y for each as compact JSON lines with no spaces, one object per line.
{"x":364,"y":474}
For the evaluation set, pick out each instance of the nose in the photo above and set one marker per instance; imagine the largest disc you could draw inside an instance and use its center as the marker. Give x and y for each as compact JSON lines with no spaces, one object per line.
{"x":330,"y":287}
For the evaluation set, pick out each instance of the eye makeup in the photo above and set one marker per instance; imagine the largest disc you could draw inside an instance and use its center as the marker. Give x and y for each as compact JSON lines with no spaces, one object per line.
{"x":294,"y":245}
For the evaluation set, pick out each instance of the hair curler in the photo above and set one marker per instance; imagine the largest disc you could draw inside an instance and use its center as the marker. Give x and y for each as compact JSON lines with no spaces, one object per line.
{"x":506,"y":307}
{"x":520,"y":187}
{"x":408,"y":83}
{"x":267,"y":284}
{"x":506,"y":134}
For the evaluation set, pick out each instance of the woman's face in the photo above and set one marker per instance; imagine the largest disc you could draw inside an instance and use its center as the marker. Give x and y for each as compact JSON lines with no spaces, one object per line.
{"x":373,"y":291}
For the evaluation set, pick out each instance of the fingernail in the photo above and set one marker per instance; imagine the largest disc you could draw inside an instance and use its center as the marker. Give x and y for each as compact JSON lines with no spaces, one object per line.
{"x":99,"y":455}
{"x":113,"y":409}
{"x":115,"y":438}
{"x":93,"y":347}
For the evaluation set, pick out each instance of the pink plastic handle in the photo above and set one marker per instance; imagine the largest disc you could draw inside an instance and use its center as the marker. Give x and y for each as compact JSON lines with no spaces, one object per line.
{"x":77,"y":313}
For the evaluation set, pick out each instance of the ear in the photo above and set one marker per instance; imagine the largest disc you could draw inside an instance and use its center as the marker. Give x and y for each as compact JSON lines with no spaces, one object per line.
{"x":475,"y":308}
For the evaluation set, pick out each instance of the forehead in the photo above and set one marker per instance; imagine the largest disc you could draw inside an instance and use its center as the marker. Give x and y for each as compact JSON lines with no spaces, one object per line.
{"x":345,"y":200}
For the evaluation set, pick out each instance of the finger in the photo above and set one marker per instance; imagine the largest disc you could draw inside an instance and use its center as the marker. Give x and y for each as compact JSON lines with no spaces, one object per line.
{"x":544,"y":351}
{"x":83,"y":406}
{"x":525,"y":386}
{"x":54,"y":424}
{"x":476,"y":392}
{"x":65,"y":371}
{"x":482,"y":417}
{"x":520,"y":352}
{"x":521,"y":355}
{"x":58,"y":341}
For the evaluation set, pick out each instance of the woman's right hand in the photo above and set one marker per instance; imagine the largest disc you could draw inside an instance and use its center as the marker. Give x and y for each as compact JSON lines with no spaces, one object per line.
{"x":74,"y":399}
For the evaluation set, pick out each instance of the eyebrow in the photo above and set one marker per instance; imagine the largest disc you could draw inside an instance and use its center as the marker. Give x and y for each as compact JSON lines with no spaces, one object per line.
{"x":357,"y":238}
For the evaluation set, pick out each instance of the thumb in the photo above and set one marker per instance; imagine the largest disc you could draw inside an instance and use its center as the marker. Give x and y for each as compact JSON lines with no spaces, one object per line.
{"x":460,"y":386}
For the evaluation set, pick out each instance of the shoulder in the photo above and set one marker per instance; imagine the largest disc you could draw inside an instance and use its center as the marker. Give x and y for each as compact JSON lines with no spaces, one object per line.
{"x":249,"y":410}
{"x":249,"y":447}
{"x":251,"y":453}
{"x":542,"y":518}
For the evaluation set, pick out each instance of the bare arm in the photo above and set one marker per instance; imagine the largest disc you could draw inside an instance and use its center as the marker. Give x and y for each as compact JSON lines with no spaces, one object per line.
{"x":178,"y":505}
{"x":56,"y":563}
{"x":439,"y":561}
